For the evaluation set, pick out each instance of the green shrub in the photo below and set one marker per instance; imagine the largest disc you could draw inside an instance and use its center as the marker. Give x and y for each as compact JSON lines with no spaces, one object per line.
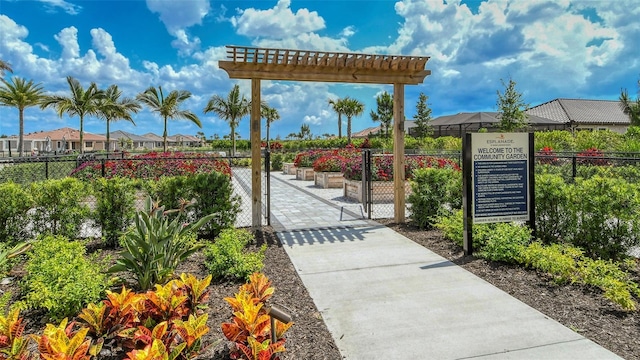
{"x":558,"y":140}
{"x":558,"y":260}
{"x":554,"y":216}
{"x":60,"y":207}
{"x":26,"y":173}
{"x":606,"y":211}
{"x":277,"y":161}
{"x":60,"y":278}
{"x":157,"y":245}
{"x":451,"y":226}
{"x":114,"y":207}
{"x":503,"y":242}
{"x":213,"y":193}
{"x":16,"y":201}
{"x":431,"y":190}
{"x":226,"y":257}
{"x":605,"y":140}
{"x":615,"y":282}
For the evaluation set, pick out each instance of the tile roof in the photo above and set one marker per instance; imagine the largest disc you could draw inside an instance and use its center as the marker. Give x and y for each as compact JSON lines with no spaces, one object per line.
{"x":68,"y":133}
{"x":579,"y":111}
{"x":123,"y":134}
{"x":486,"y":118}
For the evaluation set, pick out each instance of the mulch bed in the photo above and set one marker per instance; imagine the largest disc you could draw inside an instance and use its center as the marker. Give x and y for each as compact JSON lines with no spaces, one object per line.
{"x":580,"y":308}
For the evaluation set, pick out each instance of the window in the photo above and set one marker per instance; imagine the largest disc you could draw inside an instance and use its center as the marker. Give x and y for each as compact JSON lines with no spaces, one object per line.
{"x":88,"y":144}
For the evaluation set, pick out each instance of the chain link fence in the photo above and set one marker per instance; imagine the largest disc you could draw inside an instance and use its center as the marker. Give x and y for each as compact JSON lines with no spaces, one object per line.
{"x":27,"y":170}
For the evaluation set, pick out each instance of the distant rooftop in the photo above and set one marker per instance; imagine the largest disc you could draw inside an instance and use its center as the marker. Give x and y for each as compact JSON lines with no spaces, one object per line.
{"x":605,"y":112}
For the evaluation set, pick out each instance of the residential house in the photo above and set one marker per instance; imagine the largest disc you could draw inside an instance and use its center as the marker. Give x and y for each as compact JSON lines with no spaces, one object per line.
{"x":581,"y":114}
{"x":60,"y":141}
{"x":461,"y":123}
{"x":186,"y":140}
{"x":122,"y":140}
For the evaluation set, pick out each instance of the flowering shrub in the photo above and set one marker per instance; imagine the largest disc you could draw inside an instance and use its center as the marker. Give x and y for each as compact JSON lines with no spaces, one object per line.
{"x":329,"y":163}
{"x":546,"y":155}
{"x":592,"y":156}
{"x":272,"y":146}
{"x":307,"y":158}
{"x":382,"y":166}
{"x":152,"y":165}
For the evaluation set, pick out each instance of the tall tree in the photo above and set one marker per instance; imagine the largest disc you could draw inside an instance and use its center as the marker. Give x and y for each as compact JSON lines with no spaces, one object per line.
{"x":384,"y":112}
{"x":338,"y":106}
{"x":423,"y":117}
{"x":305,"y":132}
{"x":230,"y":109}
{"x":5,"y":66}
{"x":113,"y":108}
{"x":20,"y":94}
{"x":168,"y":107}
{"x":631,"y":107}
{"x":511,"y":108}
{"x":82,"y":102}
{"x":270,"y":115}
{"x":352,"y":107}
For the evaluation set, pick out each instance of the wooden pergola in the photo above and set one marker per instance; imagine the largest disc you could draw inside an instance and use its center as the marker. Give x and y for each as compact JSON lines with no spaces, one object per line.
{"x":322,"y":66}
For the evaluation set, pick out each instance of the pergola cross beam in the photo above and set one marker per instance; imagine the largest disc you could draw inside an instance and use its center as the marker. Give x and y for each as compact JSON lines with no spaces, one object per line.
{"x":323,"y":66}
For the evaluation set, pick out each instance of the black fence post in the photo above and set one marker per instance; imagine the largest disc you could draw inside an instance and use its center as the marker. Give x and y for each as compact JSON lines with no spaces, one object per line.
{"x":267,"y":170}
{"x":102,"y":166}
{"x":46,"y":168}
{"x":574,"y":165}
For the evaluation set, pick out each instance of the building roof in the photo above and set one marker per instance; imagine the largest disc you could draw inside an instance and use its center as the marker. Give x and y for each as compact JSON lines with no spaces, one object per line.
{"x":69,"y":134}
{"x":123,"y":134}
{"x":488,"y":118}
{"x":154,"y":137}
{"x":580,"y":111}
{"x":366,"y":132}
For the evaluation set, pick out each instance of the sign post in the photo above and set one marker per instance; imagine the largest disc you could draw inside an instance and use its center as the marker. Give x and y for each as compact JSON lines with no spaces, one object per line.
{"x":497,"y":181}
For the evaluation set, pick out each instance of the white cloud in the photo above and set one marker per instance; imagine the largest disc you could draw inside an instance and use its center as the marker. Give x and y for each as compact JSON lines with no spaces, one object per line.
{"x":177,"y":16}
{"x":68,"y":39}
{"x":67,"y":7}
{"x":277,"y":22}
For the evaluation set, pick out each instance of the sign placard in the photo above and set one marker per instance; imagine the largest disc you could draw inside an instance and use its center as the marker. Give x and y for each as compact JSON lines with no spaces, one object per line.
{"x":500,"y":175}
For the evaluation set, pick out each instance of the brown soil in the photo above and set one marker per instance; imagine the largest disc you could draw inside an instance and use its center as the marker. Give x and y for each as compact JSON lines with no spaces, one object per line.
{"x":582,"y":309}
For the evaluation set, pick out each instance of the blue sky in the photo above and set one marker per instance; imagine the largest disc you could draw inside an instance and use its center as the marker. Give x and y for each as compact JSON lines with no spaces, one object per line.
{"x":557,"y":48}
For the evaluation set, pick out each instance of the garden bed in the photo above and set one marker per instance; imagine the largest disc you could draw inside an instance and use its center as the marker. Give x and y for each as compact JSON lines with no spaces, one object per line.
{"x":327,"y":180}
{"x":305,"y":174}
{"x":381,"y":191}
{"x":288,"y":169}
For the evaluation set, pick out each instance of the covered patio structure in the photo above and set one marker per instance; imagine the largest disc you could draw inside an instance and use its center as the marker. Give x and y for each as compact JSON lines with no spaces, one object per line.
{"x":321,"y":66}
{"x":460,"y":123}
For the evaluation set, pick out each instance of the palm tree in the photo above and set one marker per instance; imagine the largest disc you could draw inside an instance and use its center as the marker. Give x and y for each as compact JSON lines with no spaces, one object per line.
{"x":270,"y":115}
{"x":5,"y":66}
{"x":338,"y":106}
{"x":81,"y":103}
{"x":352,"y":107}
{"x":20,"y":94}
{"x":232,"y":109}
{"x":168,"y":107}
{"x":630,"y":107}
{"x":113,"y":108}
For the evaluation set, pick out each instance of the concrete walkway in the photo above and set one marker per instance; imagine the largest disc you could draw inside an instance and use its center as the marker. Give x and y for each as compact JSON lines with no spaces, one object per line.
{"x":382,"y":296}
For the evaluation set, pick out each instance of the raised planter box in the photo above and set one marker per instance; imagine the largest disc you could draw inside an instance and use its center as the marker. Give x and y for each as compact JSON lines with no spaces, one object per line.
{"x":288,"y":169}
{"x":304,"y":174}
{"x":329,"y":179}
{"x":381,"y":192}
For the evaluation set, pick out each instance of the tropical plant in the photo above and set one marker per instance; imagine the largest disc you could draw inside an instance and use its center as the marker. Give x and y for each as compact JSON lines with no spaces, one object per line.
{"x":352,"y":107}
{"x":112,"y":108}
{"x":511,"y":108}
{"x":14,"y":219}
{"x":114,"y":207}
{"x":338,"y":106}
{"x":167,"y":107}
{"x":630,"y":107}
{"x":232,"y":110}
{"x":20,"y":94}
{"x":423,"y":117}
{"x":384,"y":112}
{"x":62,"y":342}
{"x":13,"y":342}
{"x":81,"y":103}
{"x":157,"y":245}
{"x":305,"y":132}
{"x":5,"y":66}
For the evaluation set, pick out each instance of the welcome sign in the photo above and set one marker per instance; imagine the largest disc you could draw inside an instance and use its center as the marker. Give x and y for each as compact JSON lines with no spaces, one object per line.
{"x":500,"y":177}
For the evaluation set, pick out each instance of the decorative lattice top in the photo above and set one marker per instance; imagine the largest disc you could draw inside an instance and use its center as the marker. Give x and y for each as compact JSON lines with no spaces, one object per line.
{"x":308,"y":65}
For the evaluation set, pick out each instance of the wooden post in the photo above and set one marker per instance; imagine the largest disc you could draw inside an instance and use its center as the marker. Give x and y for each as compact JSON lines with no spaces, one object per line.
{"x":398,"y":152}
{"x":256,"y":171}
